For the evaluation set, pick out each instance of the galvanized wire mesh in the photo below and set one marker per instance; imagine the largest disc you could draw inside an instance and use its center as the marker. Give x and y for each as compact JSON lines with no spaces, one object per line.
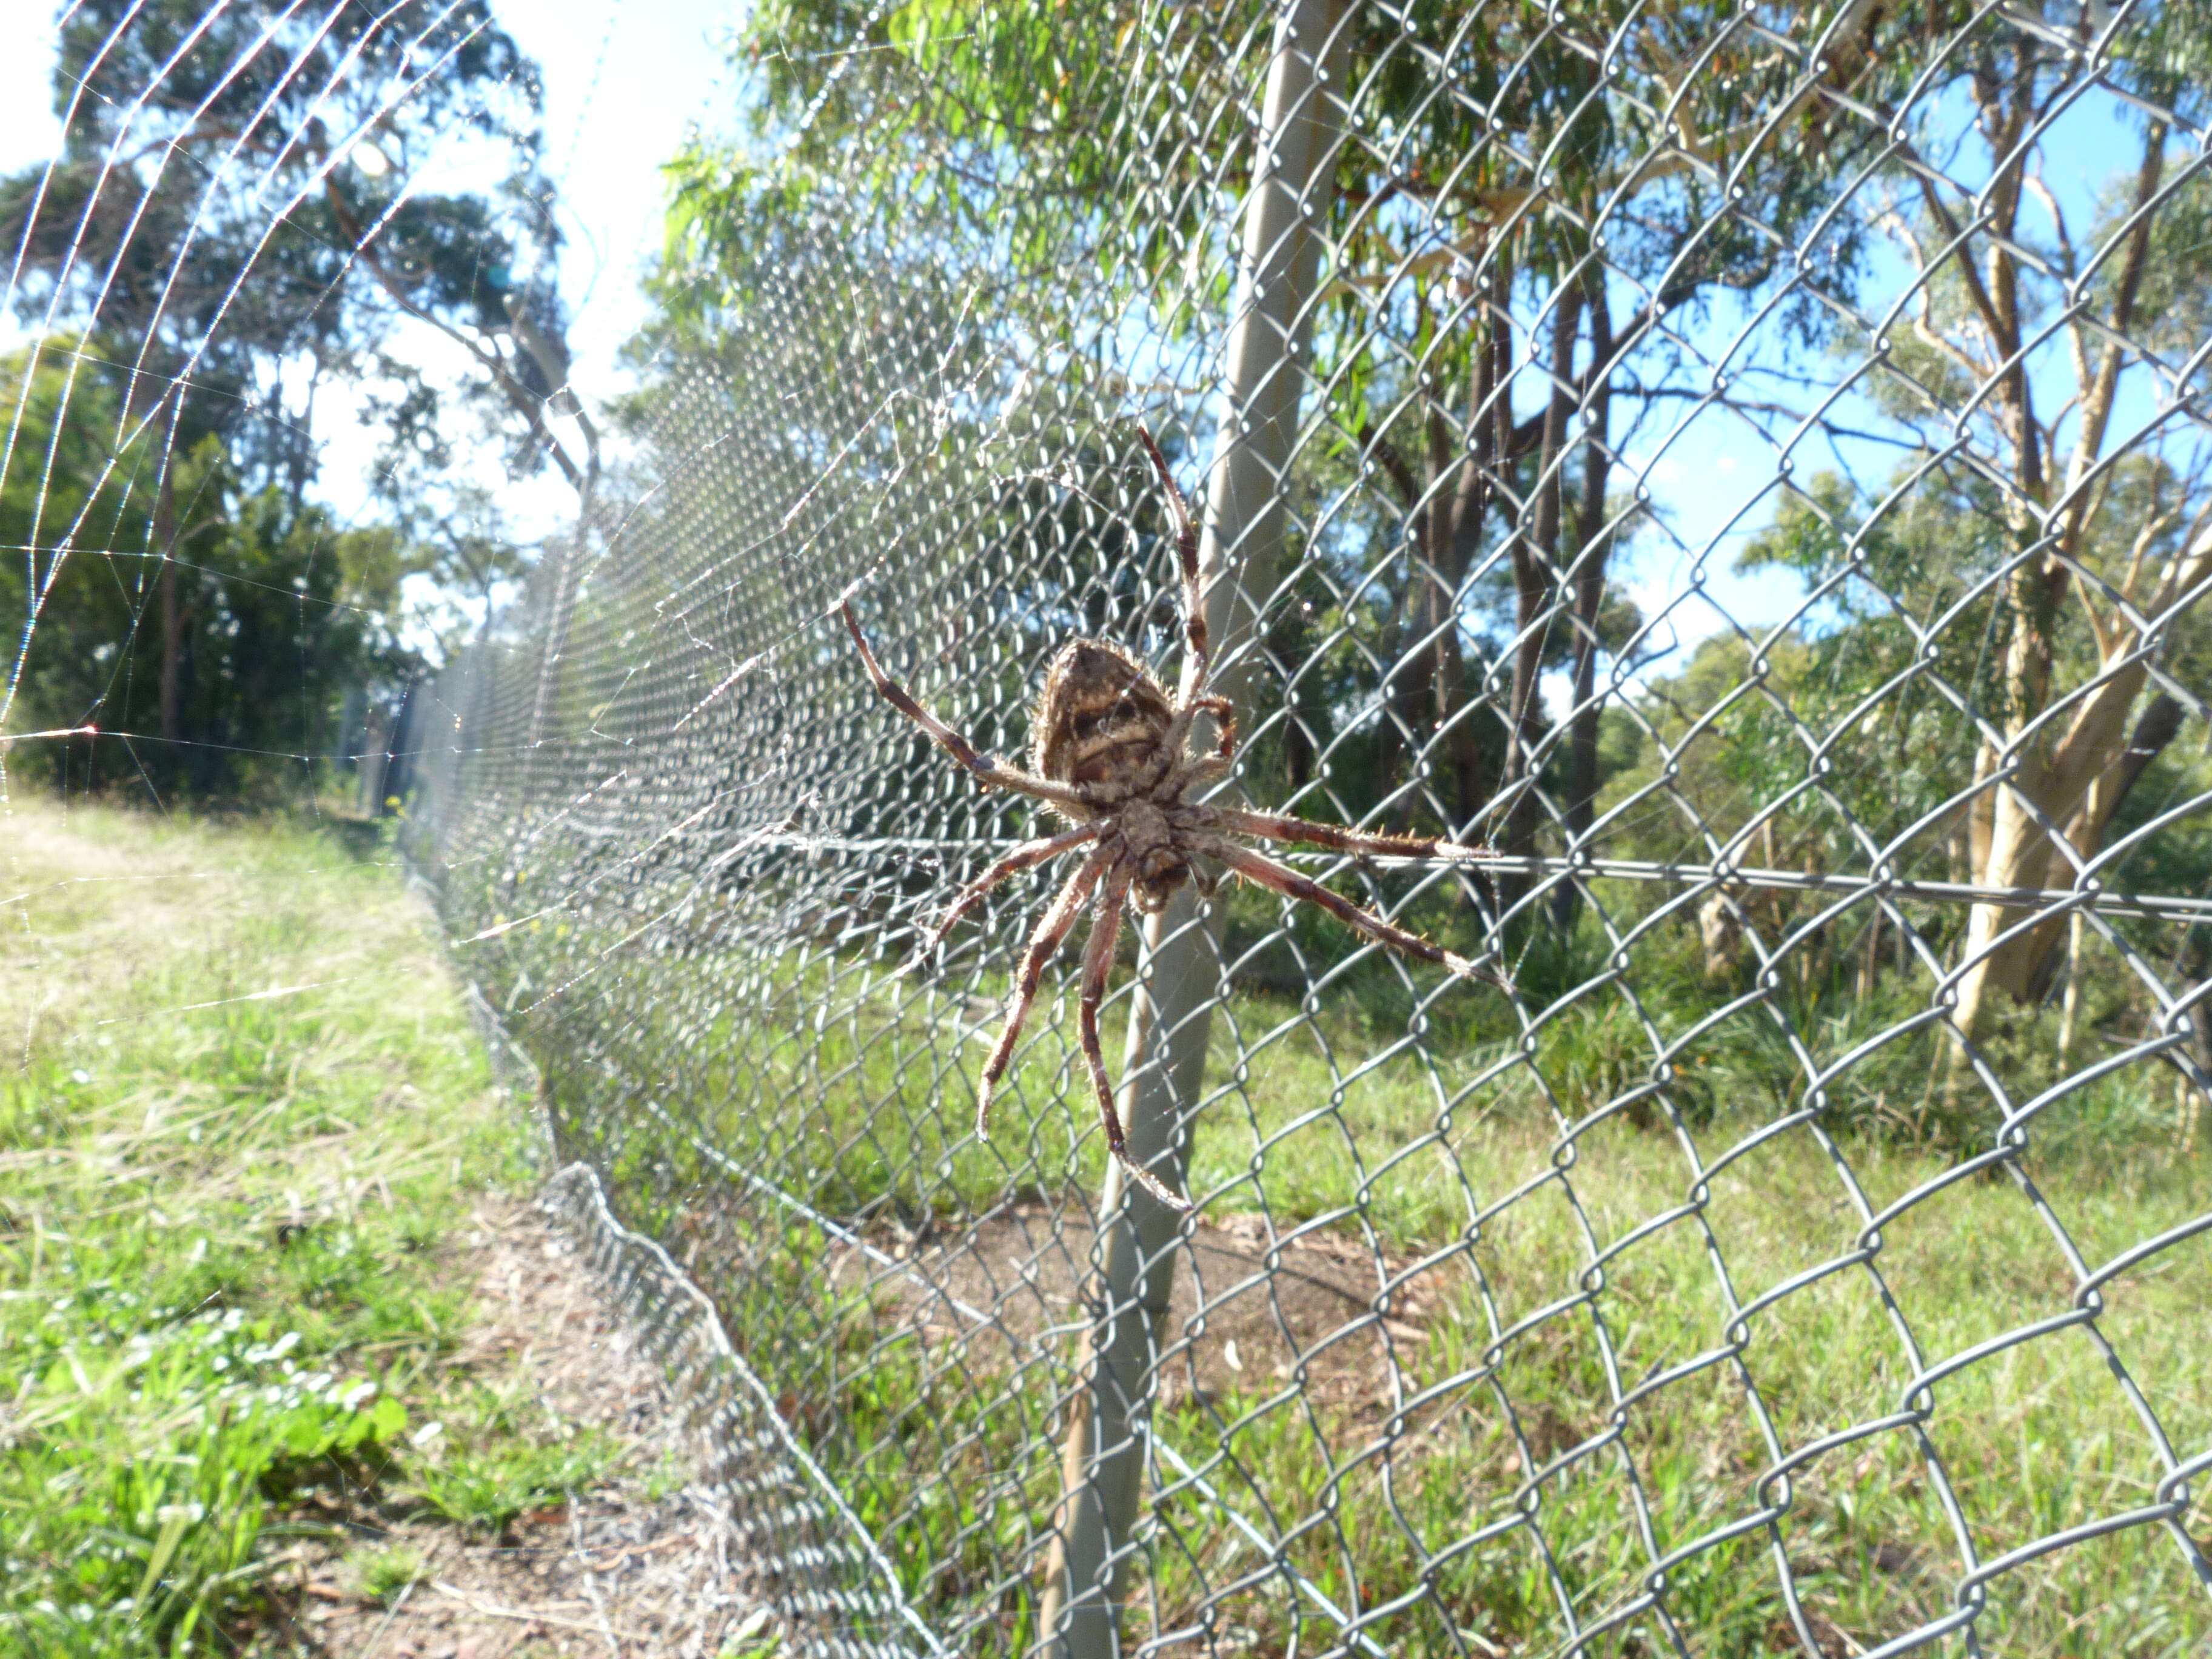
{"x":1746,"y":465}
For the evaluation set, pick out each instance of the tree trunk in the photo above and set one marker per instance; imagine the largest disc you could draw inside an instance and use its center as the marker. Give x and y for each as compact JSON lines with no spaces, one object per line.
{"x":1534,"y":550}
{"x":2078,"y":783}
{"x":1592,"y":548}
{"x":172,"y":608}
{"x":2069,"y":1019}
{"x":1870,"y":961}
{"x":1404,"y":679}
{"x":1424,"y":682}
{"x":2158,"y":725}
{"x":1455,"y":526}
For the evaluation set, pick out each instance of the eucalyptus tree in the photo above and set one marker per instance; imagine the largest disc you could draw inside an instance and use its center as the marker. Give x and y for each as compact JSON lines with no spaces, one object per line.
{"x":285,"y":610}
{"x":1556,"y":222}
{"x":1524,"y":188}
{"x":2046,"y":361}
{"x":233,"y":221}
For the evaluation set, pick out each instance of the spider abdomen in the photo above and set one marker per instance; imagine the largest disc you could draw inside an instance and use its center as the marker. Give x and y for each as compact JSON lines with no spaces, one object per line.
{"x":1102,"y":721}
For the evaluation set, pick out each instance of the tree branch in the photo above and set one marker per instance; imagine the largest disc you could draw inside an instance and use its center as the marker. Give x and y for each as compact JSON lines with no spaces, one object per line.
{"x":517,"y":395}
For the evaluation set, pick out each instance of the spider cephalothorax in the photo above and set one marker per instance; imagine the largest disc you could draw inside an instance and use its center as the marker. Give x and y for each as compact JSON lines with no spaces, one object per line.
{"x":1110,"y":754}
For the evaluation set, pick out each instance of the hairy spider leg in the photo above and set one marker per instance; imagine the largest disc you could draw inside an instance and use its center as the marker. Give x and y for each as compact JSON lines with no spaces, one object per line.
{"x":1224,"y":717}
{"x":1266,"y":872}
{"x":1097,"y":965}
{"x":1187,"y":774}
{"x":1193,"y":605}
{"x":1059,"y":917}
{"x":1191,"y":698}
{"x":1028,"y":855}
{"x":990,"y":770}
{"x":1281,"y":826}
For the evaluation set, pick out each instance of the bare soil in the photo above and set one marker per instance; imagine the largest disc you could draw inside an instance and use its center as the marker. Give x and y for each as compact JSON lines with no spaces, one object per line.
{"x":1308,"y":1304}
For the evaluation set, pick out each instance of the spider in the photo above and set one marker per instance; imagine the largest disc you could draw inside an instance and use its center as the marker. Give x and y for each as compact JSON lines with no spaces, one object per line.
{"x":1110,"y":753}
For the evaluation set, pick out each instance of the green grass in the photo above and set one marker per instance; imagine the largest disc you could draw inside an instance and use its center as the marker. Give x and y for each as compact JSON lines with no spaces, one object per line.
{"x":502,"y":1474}
{"x":851,"y":1089}
{"x":384,"y":1574}
{"x":237,"y":1135}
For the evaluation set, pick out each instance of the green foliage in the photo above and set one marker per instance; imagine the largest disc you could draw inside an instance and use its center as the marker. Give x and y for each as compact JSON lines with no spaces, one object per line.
{"x":801,"y":1058}
{"x":937,"y":150}
{"x":933,"y":147}
{"x":947,"y":1452}
{"x":280,"y":611}
{"x":488,"y":1487}
{"x":235,"y":203}
{"x":154,"y":227}
{"x":932,"y":150}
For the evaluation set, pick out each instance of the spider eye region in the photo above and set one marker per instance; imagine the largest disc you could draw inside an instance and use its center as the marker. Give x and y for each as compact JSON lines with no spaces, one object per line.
{"x":1103,"y":719}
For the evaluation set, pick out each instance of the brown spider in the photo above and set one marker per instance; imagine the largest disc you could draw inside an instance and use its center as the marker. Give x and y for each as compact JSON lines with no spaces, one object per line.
{"x":1108,"y":754}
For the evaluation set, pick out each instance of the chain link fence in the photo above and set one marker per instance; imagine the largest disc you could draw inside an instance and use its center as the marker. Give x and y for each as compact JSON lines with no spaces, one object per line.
{"x":1748,"y":467}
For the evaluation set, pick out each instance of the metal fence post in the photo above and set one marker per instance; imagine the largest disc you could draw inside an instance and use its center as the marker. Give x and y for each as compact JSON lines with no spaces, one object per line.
{"x":1171,"y":1012}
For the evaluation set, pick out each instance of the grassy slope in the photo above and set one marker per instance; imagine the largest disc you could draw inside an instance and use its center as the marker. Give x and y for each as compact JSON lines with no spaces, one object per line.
{"x":225,"y":1301}
{"x":227,"y":1123}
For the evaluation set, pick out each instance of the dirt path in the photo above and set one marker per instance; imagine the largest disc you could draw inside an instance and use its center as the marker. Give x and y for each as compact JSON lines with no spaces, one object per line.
{"x":640,"y":1564}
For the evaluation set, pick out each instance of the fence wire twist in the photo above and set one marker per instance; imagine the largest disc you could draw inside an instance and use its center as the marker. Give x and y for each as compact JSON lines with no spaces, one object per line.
{"x":1747,"y":466}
